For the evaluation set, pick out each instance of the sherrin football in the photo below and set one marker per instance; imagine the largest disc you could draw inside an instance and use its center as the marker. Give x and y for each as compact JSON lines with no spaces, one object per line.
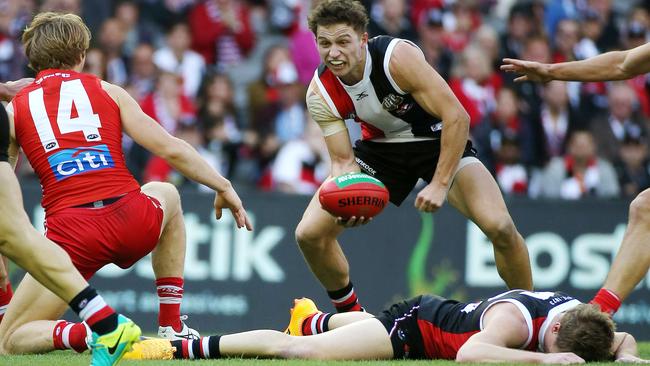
{"x":353,"y":194}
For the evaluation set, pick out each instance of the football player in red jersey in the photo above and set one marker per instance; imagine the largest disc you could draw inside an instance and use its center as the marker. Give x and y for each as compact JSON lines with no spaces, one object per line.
{"x":70,"y":126}
{"x":49,"y":264}
{"x":515,"y":326}
{"x":632,"y":261}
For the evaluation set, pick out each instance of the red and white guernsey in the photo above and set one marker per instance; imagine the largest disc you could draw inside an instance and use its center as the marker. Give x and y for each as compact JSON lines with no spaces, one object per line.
{"x":71,"y":132}
{"x":385,"y":111}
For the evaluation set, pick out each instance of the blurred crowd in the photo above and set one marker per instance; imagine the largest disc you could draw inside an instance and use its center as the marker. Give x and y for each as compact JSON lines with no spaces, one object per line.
{"x":229,"y":77}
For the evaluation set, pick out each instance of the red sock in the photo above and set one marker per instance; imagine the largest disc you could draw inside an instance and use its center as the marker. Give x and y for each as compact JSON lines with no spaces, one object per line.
{"x":5,"y":297}
{"x":316,"y":324}
{"x":170,"y":296}
{"x":345,"y":299}
{"x":68,"y":335}
{"x":608,"y":301}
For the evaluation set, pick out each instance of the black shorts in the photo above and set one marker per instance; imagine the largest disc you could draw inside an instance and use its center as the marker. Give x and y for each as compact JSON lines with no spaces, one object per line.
{"x":399,"y":165}
{"x":401,"y":323}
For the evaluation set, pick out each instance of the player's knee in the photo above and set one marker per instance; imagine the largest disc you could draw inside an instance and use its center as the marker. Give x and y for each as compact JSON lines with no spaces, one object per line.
{"x":307,"y":237}
{"x":166,"y":193}
{"x":501,"y":232}
{"x":640,"y":207}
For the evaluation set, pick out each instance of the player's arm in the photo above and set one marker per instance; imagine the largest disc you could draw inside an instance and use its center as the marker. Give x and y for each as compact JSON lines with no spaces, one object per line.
{"x":335,"y":133}
{"x":624,"y":348}
{"x":10,"y":88}
{"x":504,"y":332}
{"x":615,"y":65}
{"x":14,"y":148}
{"x":414,"y":75}
{"x":178,"y":153}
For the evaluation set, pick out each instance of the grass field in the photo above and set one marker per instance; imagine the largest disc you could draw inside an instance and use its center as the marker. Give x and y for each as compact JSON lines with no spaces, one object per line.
{"x":71,"y":359}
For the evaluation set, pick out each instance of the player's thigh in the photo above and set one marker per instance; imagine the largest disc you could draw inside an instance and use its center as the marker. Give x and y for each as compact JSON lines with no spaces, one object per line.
{"x":12,"y":214}
{"x":168,"y":197}
{"x":476,"y":194}
{"x":30,"y":302}
{"x":316,"y":223}
{"x":362,"y":340}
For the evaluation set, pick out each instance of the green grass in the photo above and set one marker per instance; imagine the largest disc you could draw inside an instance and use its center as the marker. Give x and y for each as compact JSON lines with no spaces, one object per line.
{"x":67,"y":358}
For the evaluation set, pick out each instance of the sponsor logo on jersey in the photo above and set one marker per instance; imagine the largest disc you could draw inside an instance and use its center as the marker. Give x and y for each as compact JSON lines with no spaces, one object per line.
{"x":69,"y":162}
{"x":361,"y":95}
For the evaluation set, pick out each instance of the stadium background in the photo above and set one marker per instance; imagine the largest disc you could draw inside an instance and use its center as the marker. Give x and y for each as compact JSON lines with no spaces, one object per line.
{"x":237,"y":95}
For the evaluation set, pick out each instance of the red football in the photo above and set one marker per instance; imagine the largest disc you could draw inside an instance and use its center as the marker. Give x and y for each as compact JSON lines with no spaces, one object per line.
{"x":353,"y":194}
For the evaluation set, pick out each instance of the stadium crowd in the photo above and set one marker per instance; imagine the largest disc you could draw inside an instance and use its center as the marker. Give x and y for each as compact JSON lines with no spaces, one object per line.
{"x":229,"y":77}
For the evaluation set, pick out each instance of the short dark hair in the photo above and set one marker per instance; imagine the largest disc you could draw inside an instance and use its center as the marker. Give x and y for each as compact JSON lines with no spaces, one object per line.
{"x":587,"y":332}
{"x":330,"y":12}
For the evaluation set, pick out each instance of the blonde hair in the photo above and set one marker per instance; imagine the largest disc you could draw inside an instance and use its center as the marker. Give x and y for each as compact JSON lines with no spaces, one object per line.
{"x":55,"y":41}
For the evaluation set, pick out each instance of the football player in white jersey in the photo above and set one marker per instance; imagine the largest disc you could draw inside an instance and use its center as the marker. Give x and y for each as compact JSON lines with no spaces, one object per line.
{"x":632,"y":261}
{"x":403,"y":111}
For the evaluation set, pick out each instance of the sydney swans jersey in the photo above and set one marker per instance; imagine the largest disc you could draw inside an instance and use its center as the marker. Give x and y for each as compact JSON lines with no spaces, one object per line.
{"x":71,"y":132}
{"x":446,"y":325}
{"x":385,"y":111}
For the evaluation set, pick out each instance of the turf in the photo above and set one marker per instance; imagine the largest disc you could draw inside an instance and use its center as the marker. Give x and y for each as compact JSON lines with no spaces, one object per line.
{"x":72,"y":359}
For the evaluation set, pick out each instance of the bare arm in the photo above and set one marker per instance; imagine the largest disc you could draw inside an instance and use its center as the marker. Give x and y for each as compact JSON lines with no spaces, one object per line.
{"x":341,"y":153}
{"x":414,"y":75}
{"x":624,"y":348}
{"x":10,"y":88}
{"x":178,"y":153}
{"x":615,"y":65}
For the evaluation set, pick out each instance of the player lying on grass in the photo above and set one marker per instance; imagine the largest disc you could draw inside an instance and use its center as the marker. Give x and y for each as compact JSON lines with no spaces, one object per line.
{"x":633,"y":258}
{"x":48,"y":264}
{"x":517,"y":326}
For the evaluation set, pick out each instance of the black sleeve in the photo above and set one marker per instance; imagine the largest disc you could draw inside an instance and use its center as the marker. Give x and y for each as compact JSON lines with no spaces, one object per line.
{"x":4,"y":135}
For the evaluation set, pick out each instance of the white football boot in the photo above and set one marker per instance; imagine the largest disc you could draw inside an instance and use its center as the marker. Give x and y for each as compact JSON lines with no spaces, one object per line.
{"x":186,"y":332}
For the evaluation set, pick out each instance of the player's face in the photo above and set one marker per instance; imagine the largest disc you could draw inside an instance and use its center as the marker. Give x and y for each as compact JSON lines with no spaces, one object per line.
{"x":342,"y":50}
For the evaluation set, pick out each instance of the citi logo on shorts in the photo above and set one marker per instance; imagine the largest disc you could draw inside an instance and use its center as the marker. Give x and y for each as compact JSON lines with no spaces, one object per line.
{"x":69,"y":162}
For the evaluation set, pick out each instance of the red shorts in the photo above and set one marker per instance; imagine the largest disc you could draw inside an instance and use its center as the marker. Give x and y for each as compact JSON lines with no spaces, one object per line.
{"x":119,"y":233}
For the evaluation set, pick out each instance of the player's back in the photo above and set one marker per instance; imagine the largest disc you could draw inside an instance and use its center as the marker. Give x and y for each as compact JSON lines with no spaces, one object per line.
{"x":71,"y":132}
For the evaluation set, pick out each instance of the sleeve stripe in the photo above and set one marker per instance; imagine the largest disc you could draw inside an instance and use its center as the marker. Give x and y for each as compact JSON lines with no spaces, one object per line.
{"x":326,"y":96}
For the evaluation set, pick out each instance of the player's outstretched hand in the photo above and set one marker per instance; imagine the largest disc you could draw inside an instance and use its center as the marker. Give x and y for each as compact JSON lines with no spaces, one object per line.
{"x":353,"y":221}
{"x":12,"y":87}
{"x":431,"y":197}
{"x":530,"y":70}
{"x":631,"y":359}
{"x":230,"y":200}
{"x":563,"y":358}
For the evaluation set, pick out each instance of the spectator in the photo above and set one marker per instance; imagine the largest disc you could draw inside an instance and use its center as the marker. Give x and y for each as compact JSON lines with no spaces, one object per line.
{"x":610,"y":129}
{"x":566,"y":39}
{"x":95,"y":63}
{"x":176,"y":57}
{"x":217,"y":120}
{"x":136,"y":32}
{"x":111,"y":40}
{"x":511,"y":174}
{"x":520,"y":27}
{"x":12,"y":59}
{"x":477,"y":86}
{"x":432,"y":42}
{"x":265,"y":90}
{"x":633,"y":166}
{"x":580,"y":173}
{"x":301,"y":165}
{"x":221,"y":31}
{"x":143,"y":74}
{"x":388,"y":17}
{"x":544,"y":135}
